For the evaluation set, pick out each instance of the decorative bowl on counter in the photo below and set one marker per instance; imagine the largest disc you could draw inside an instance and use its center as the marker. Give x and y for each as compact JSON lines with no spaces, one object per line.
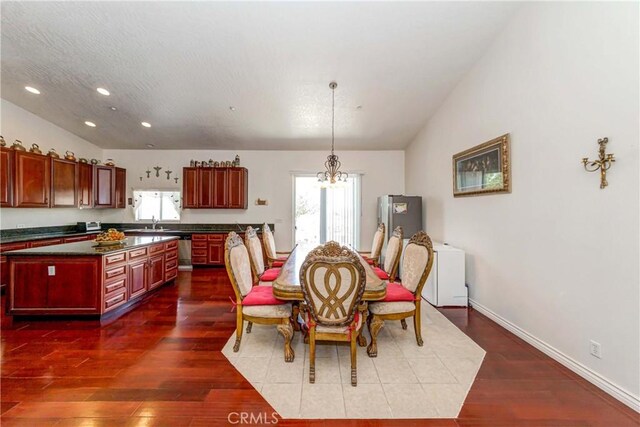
{"x":110,"y":237}
{"x":110,"y":242}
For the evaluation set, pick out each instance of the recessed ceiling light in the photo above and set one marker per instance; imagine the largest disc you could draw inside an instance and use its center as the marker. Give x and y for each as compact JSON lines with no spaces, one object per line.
{"x":150,"y":145}
{"x":112,"y":108}
{"x":232,"y":108}
{"x":32,"y":90}
{"x":103,"y":91}
{"x":90,"y":124}
{"x":145,"y":124}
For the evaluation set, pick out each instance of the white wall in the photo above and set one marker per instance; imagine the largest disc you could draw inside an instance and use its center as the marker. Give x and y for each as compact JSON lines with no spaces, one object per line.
{"x":558,"y":257}
{"x":270,"y":177}
{"x":16,"y":123}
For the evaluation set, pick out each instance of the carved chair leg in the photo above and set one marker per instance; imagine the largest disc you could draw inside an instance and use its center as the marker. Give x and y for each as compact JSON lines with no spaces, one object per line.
{"x":403,"y":322}
{"x":312,"y":355}
{"x":249,"y":325}
{"x":354,"y":371}
{"x":239,"y":325}
{"x":362,"y":340}
{"x":286,"y":330}
{"x":364,"y":311}
{"x":417,"y":325}
{"x":375,"y":325}
{"x":294,"y":317}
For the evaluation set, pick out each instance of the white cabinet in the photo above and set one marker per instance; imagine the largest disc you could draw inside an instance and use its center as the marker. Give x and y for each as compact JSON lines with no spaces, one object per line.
{"x":445,"y":285}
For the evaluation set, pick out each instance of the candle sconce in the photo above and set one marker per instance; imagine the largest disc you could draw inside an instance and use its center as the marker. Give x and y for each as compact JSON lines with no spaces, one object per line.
{"x":603,"y":163}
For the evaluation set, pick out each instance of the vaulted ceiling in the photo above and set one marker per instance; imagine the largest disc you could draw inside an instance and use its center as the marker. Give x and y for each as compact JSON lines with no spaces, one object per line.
{"x":181,"y":65}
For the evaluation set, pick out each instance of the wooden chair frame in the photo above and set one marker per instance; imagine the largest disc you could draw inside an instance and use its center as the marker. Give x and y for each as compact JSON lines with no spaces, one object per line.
{"x":270,"y":260}
{"x":341,"y":257}
{"x":375,"y":322}
{"x":283,"y":324}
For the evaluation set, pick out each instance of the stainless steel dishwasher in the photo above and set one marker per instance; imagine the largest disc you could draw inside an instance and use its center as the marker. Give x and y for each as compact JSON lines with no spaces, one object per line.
{"x":184,"y":254}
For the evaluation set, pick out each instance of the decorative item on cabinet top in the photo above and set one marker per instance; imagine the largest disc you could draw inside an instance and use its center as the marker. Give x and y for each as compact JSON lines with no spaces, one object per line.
{"x":215,"y":164}
{"x":35,"y":149}
{"x":3,"y":143}
{"x":52,"y":153}
{"x":17,"y":145}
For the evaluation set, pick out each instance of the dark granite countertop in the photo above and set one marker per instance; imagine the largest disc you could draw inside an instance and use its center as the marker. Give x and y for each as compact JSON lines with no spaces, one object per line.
{"x":182,"y":230}
{"x":90,"y":247}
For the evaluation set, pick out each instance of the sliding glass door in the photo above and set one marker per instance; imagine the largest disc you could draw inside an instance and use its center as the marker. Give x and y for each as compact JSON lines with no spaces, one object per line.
{"x":322,"y":214}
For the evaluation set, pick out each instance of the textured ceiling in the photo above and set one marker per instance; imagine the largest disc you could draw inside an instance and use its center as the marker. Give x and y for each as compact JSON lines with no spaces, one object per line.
{"x":181,"y":65}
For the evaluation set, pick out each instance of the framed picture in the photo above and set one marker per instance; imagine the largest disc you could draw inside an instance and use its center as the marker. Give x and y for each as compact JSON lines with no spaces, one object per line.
{"x":400,"y":208}
{"x":483,"y":169}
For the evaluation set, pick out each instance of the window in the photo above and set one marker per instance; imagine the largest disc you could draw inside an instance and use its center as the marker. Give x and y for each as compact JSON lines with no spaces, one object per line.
{"x":160,"y":205}
{"x":323,"y":214}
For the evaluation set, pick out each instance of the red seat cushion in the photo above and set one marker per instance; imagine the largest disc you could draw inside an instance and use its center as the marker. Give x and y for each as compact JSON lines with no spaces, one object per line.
{"x":277,"y":264}
{"x":381,"y":273}
{"x":261,"y":295}
{"x":370,"y":261}
{"x":270,"y":275}
{"x":397,"y":292}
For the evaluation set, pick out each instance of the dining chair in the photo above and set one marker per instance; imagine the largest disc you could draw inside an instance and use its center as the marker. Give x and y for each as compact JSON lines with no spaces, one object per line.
{"x":264,"y":276}
{"x":391,"y":257}
{"x":333,"y":282}
{"x":273,"y":260}
{"x":373,"y":256}
{"x":255,"y":304}
{"x":403,"y":299}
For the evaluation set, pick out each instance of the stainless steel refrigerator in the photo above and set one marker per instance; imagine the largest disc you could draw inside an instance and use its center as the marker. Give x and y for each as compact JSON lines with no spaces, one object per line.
{"x":404,"y":211}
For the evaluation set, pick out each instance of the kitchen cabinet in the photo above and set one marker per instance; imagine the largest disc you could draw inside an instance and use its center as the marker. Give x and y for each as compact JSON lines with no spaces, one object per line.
{"x":206,"y":187}
{"x":156,"y":270}
{"x":121,"y":188}
{"x":85,"y":282}
{"x":63,"y":290}
{"x":138,"y":277}
{"x":85,"y":185}
{"x":45,"y":242}
{"x":207,"y":249}
{"x":64,"y":183}
{"x":6,"y":177}
{"x":190,"y":188}
{"x":4,"y":266}
{"x":237,"y":189}
{"x":32,"y":178}
{"x":104,"y":183}
{"x":215,"y":188}
{"x":220,"y":184}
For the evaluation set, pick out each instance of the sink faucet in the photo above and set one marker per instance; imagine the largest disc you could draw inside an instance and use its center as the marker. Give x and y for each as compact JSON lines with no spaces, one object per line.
{"x":155,"y":222}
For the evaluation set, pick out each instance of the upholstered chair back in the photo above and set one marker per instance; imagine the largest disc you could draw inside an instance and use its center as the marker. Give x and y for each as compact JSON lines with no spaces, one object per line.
{"x":394,"y":249}
{"x":269,"y":241}
{"x":255,"y":250}
{"x":333,"y":282}
{"x":238,"y":265}
{"x":417,"y":262}
{"x":378,"y":240}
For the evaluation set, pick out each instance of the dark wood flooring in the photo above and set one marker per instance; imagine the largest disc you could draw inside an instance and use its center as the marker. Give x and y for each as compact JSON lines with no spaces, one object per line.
{"x":160,"y":365}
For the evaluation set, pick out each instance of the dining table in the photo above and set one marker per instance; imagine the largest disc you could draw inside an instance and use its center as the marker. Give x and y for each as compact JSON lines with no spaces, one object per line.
{"x":287,"y":285}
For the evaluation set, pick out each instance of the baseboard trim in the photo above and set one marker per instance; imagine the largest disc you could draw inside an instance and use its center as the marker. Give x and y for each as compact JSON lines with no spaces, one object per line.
{"x":588,"y":374}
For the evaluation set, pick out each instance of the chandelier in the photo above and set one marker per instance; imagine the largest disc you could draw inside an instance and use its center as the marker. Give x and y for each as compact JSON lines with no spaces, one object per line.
{"x":332,"y":174}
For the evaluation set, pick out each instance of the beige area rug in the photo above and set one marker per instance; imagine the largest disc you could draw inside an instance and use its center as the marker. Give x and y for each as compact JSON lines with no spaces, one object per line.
{"x":404,"y":381}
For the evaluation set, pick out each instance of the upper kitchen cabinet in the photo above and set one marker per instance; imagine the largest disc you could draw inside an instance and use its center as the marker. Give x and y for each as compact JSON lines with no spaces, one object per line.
{"x":32,"y":180}
{"x":121,"y":188}
{"x":189,"y":188}
{"x":104,"y":185}
{"x":85,"y":185}
{"x":237,"y":188}
{"x":64,"y":183}
{"x":6,"y":177}
{"x":215,"y":188}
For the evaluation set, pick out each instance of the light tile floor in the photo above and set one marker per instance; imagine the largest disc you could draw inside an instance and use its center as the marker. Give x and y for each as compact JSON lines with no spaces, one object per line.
{"x":404,"y":381}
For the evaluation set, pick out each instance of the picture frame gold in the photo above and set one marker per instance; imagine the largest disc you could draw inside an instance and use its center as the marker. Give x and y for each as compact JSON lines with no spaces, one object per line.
{"x":483,"y":169}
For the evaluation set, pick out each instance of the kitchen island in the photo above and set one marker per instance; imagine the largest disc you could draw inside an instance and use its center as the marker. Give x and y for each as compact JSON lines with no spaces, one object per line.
{"x":83,"y":279}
